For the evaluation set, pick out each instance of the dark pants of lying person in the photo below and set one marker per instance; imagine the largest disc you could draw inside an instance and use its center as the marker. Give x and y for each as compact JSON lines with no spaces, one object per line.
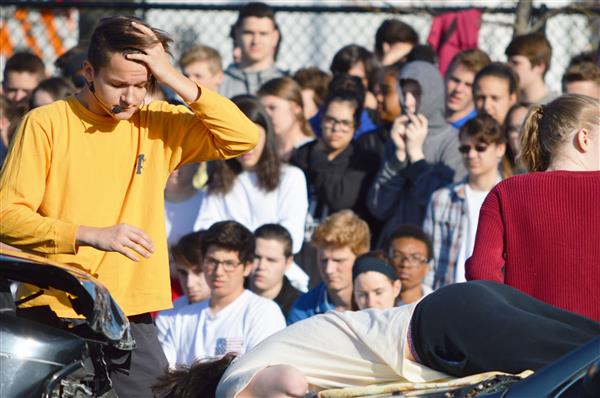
{"x":481,"y":326}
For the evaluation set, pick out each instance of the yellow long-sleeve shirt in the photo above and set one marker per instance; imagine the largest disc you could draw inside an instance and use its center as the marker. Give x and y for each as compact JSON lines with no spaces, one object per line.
{"x":69,"y":167}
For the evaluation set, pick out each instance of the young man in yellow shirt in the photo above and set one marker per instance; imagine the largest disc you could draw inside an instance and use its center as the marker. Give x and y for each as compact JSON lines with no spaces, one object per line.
{"x":83,"y":183}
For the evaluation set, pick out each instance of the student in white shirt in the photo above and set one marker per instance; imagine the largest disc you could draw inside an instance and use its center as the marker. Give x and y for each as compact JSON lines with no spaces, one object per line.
{"x":182,"y":202}
{"x":187,"y":260}
{"x":257,"y":188}
{"x":233,"y":319}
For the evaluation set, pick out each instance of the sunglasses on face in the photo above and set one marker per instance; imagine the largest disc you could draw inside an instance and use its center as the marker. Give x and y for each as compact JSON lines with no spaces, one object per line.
{"x":464,"y":149}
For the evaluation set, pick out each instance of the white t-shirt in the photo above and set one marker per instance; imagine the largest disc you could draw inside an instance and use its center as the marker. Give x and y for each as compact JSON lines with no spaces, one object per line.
{"x":335,"y":350}
{"x":197,"y":333}
{"x":164,"y":319}
{"x":252,"y":207}
{"x":180,"y":216}
{"x":474,"y":200}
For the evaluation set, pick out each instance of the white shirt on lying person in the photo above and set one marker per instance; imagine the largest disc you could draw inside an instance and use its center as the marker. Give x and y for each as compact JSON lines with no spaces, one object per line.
{"x":195,"y":332}
{"x":336,"y":350}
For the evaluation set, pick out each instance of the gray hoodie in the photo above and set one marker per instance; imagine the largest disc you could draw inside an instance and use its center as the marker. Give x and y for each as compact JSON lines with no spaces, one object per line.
{"x":401,"y":190}
{"x":238,"y":82}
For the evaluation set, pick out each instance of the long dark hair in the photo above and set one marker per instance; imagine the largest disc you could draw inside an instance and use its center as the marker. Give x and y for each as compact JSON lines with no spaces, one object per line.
{"x":199,"y":380}
{"x":268,"y":168}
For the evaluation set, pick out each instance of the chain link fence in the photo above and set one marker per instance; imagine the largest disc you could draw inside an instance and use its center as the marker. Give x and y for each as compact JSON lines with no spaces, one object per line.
{"x":310,"y":34}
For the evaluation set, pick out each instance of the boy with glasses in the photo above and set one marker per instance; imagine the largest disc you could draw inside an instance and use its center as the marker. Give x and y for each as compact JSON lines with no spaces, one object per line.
{"x":233,"y":319}
{"x":410,"y":251}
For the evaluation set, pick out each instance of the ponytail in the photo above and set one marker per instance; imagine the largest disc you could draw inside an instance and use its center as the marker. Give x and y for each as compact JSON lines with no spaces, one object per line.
{"x":549,"y":128}
{"x":532,"y":153}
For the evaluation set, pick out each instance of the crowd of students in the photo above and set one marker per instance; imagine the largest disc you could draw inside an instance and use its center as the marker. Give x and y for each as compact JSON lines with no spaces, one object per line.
{"x":368,"y":186}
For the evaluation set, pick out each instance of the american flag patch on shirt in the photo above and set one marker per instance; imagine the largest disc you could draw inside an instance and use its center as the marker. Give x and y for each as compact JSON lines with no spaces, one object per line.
{"x":228,"y":344}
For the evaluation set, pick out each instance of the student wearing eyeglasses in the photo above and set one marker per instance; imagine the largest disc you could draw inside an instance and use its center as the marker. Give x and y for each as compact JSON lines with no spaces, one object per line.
{"x":410,"y":252}
{"x":453,"y":212}
{"x":233,"y":319}
{"x":338,"y":172}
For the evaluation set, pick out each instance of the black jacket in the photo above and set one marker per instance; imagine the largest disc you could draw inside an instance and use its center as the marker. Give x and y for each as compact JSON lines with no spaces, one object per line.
{"x":341,"y":183}
{"x":287,"y":296}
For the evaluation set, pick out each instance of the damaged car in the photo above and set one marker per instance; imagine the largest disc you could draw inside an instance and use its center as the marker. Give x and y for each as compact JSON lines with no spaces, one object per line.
{"x":57,"y":357}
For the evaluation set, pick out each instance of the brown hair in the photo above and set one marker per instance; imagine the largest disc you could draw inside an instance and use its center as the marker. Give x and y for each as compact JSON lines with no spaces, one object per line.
{"x":276,"y":232}
{"x":510,"y":156}
{"x":117,"y":35}
{"x":199,"y":380}
{"x":534,"y":46}
{"x":548,"y":127}
{"x":584,"y":71}
{"x":258,"y":10}
{"x":474,"y":60}
{"x":287,"y":89}
{"x":230,"y":235}
{"x":353,"y":54}
{"x":314,"y":79}
{"x":268,"y":168}
{"x":24,"y":61}
{"x":501,"y":71}
{"x":343,"y":228}
{"x":394,"y":31}
{"x":188,"y":250}
{"x":484,"y":128}
{"x":57,"y":87}
{"x":202,"y":53}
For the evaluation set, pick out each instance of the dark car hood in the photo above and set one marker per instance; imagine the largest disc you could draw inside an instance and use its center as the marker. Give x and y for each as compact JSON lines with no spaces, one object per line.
{"x":89,"y":297}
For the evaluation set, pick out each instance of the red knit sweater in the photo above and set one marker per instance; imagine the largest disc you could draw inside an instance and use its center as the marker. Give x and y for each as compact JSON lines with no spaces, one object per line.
{"x":544,"y":230}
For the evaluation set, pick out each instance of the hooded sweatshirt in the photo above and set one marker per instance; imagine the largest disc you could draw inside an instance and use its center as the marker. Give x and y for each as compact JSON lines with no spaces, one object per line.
{"x":401,"y":190}
{"x":238,"y":81}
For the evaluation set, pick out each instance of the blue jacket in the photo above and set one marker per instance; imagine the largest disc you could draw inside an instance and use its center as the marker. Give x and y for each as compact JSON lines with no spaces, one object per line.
{"x":313,"y":302}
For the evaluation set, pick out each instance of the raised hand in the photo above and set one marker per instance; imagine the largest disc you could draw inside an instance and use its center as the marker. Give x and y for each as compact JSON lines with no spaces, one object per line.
{"x":121,"y":238}
{"x":155,"y":57}
{"x":158,"y":62}
{"x":398,"y":136}
{"x":416,"y":132}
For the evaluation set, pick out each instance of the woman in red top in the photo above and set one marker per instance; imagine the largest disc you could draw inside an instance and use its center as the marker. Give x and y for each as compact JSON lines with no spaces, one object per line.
{"x":540,"y":232}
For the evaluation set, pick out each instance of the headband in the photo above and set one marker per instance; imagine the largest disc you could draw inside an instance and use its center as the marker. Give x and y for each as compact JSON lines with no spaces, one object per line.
{"x":373,"y":264}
